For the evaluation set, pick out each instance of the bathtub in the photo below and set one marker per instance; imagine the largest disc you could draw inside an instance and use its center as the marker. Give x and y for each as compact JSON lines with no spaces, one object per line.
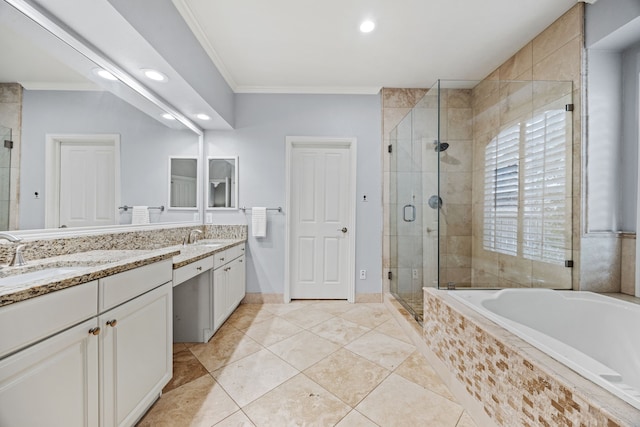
{"x":595,"y":335}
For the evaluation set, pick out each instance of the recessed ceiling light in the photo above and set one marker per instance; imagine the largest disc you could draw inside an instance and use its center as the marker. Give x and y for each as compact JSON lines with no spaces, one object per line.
{"x":168,"y":116}
{"x":154,"y":75}
{"x":202,"y":116}
{"x":104,"y":74}
{"x":367,"y":26}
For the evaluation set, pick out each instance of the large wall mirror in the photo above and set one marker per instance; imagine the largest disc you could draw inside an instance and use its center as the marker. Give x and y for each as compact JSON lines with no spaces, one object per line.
{"x":48,"y":89}
{"x":222,"y":183}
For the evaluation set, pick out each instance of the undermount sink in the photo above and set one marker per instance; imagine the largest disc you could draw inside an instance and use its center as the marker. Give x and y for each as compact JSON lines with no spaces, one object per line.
{"x":46,"y":273}
{"x":209,"y":244}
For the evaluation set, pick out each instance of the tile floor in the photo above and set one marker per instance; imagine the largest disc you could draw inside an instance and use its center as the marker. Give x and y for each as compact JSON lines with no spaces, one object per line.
{"x":308,"y":363}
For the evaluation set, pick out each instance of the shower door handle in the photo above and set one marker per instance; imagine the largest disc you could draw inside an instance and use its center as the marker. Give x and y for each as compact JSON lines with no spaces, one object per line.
{"x":412,"y":211}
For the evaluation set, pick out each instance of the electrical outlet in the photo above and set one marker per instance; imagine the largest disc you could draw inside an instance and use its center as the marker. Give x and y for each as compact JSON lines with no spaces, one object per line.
{"x":196,"y":216}
{"x":414,"y":273}
{"x":209,"y":217}
{"x":363,"y":274}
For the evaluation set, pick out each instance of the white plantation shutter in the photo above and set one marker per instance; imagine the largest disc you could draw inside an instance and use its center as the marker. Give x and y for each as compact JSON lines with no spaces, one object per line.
{"x":539,"y":178}
{"x":544,"y":189}
{"x":501,"y":192}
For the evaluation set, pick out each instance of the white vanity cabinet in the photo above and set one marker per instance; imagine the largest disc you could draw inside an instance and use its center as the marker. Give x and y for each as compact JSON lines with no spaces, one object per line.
{"x":53,"y":383}
{"x":229,"y":284}
{"x":95,"y":354}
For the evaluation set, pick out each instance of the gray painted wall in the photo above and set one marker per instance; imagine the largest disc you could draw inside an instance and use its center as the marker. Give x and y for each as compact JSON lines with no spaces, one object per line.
{"x":629,"y":148}
{"x":262,"y":124}
{"x":145,"y":148}
{"x":605,"y":16}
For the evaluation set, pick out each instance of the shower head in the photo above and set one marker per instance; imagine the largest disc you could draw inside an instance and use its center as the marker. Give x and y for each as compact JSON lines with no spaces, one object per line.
{"x":440,"y":146}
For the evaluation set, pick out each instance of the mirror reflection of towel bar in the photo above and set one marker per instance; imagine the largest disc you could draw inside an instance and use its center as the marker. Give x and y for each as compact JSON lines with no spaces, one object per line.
{"x":279,"y":209}
{"x":126,"y":208}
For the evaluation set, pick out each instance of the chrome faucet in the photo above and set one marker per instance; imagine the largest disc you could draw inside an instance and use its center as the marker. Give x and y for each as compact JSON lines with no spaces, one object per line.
{"x":18,"y":259}
{"x":190,"y":238}
{"x":10,"y":237}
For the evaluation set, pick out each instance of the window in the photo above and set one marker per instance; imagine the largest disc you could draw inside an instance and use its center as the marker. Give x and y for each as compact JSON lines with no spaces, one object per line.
{"x":526,"y":205}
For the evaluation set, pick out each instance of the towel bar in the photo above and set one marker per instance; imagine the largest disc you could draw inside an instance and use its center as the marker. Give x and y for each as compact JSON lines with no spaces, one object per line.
{"x":126,"y":208}
{"x":279,"y":209}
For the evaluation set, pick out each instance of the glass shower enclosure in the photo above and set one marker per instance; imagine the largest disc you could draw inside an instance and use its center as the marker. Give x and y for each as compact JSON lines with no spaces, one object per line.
{"x":481,"y":189}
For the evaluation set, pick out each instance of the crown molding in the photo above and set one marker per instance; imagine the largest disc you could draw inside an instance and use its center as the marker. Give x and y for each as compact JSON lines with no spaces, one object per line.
{"x":311,"y":90}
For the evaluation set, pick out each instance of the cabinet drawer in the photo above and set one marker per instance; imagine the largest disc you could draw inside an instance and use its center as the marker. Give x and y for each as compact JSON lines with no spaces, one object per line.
{"x":235,"y":251}
{"x":26,"y":322}
{"x":221,"y":258}
{"x":185,"y":273}
{"x":124,"y":286}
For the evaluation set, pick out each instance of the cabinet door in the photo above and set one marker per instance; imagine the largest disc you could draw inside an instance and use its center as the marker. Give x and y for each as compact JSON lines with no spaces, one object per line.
{"x":220,"y":308}
{"x":236,"y":286}
{"x":54,"y":382}
{"x":136,"y":355}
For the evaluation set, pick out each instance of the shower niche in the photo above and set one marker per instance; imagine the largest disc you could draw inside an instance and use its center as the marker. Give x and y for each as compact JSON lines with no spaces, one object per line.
{"x":222,"y":183}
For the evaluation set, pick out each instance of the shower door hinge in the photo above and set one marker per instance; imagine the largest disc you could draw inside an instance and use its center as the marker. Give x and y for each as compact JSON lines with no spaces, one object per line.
{"x":390,"y":148}
{"x":389,"y":275}
{"x":568,"y":263}
{"x":8,"y":144}
{"x":568,"y":107}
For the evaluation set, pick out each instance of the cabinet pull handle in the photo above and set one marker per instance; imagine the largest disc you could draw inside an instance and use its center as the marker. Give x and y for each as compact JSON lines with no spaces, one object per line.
{"x":221,"y":259}
{"x":242,"y":249}
{"x":240,"y":261}
{"x":199,"y":268}
{"x":94,"y":331}
{"x":112,"y":323}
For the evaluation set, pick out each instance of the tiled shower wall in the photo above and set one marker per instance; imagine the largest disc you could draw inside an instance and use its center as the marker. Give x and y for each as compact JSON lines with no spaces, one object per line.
{"x":11,"y":116}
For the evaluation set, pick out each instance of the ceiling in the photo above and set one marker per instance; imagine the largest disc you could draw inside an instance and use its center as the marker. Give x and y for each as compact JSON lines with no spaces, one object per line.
{"x":278,"y":46}
{"x":305,"y":46}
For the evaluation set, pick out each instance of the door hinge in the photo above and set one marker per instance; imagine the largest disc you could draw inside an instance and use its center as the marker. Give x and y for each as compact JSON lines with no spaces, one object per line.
{"x":389,"y":275}
{"x":8,"y":144}
{"x":390,"y":148}
{"x":568,"y":107}
{"x":568,"y":263}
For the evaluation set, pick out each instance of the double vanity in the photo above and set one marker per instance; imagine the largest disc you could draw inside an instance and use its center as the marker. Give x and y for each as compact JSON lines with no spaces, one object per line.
{"x":86,"y":339}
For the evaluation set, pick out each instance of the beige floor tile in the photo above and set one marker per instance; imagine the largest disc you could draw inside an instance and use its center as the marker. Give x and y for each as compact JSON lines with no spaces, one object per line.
{"x":382,"y":349}
{"x":369,"y":315}
{"x":297,"y":402}
{"x":398,"y":402}
{"x":391,"y":328}
{"x":417,"y":370}
{"x":280,"y":309}
{"x":466,"y":421}
{"x":247,"y":315}
{"x":356,"y":419}
{"x":199,"y":403}
{"x":272,"y":330}
{"x":307,"y":317}
{"x":247,"y":379}
{"x":333,"y":307}
{"x":303,"y":349}
{"x":339,"y":330}
{"x":226,"y":346}
{"x":239,"y":419}
{"x":348,"y":376}
{"x":186,"y":368}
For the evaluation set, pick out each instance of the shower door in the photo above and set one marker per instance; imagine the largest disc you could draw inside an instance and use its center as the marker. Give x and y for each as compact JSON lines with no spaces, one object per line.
{"x":5,"y":176}
{"x":413,"y":225}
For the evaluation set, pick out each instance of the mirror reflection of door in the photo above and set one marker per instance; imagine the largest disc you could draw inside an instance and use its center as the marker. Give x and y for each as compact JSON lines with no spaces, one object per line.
{"x":222,"y":188}
{"x":184,"y":183}
{"x":88,"y":176}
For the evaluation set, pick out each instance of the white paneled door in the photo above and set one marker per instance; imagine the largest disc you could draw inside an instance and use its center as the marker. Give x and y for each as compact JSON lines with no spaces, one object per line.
{"x":320,"y":206}
{"x":87,"y":184}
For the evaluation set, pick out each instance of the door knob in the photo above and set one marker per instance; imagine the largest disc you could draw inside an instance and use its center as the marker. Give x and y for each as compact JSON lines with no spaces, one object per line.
{"x":343,"y":229}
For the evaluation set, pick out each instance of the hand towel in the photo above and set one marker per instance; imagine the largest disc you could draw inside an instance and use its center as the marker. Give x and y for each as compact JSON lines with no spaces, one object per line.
{"x":259,"y":222}
{"x":140,"y":215}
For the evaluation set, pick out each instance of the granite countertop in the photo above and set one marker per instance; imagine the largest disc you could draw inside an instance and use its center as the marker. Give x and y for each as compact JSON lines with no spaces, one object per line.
{"x":199,"y":250}
{"x":85,"y":267}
